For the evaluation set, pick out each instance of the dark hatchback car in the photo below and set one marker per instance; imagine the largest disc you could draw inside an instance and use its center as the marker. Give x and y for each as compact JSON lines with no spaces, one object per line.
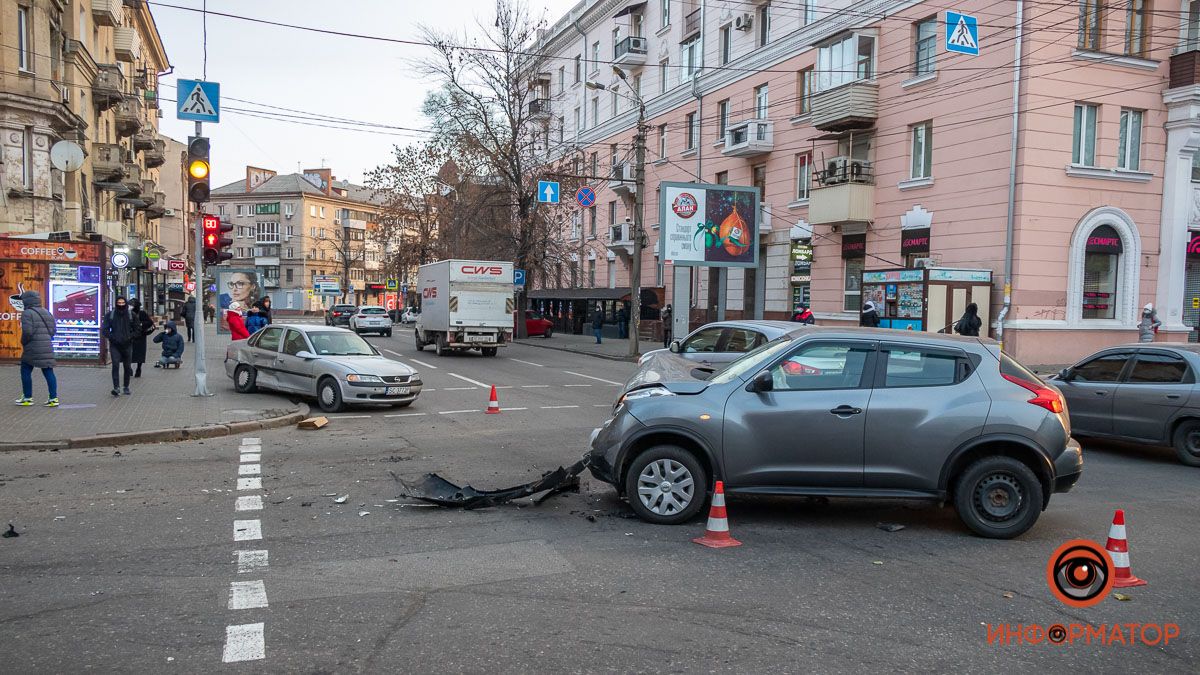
{"x":1143,"y":392}
{"x":847,"y":412}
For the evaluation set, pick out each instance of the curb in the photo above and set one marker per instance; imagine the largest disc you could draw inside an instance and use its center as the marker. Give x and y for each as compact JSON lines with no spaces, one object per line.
{"x":606,"y":357}
{"x":280,"y":418}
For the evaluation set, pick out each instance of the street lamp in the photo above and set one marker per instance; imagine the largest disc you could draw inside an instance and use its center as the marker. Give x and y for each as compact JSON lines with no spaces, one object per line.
{"x":639,"y":179}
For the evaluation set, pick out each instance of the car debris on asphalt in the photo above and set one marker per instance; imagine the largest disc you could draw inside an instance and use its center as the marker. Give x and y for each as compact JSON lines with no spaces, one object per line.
{"x":437,"y":490}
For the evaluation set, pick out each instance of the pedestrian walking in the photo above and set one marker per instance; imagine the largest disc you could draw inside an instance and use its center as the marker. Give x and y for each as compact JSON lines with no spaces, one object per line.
{"x":118,"y":329}
{"x":1149,"y":324}
{"x":143,"y":326}
{"x":264,"y":308}
{"x":37,"y":349}
{"x":803,"y":315}
{"x":189,"y":317}
{"x":597,"y":323}
{"x":237,"y":325}
{"x":622,"y":323}
{"x":667,"y":315}
{"x":870,"y":316}
{"x":172,"y":346}
{"x":256,"y":320}
{"x":970,"y":323}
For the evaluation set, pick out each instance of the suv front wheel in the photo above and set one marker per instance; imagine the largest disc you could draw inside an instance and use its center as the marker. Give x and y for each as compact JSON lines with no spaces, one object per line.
{"x":998,"y":497}
{"x":666,"y":485}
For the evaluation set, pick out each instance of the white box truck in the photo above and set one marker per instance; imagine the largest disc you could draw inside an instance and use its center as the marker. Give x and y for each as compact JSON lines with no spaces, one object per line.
{"x":465,"y":304}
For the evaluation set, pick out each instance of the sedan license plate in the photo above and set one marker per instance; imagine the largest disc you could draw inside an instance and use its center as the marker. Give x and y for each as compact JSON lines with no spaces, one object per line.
{"x":479,"y":338}
{"x":395,"y":391}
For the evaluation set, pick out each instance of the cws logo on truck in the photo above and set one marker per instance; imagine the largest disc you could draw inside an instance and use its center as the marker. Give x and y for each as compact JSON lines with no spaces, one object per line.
{"x":482,"y":270}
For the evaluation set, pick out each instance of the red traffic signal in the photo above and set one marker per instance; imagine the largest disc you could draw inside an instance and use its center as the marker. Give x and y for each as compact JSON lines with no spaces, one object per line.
{"x":214,"y":243}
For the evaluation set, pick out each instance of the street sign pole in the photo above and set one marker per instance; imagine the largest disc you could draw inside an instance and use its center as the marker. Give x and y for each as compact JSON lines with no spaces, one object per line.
{"x":198,"y":260}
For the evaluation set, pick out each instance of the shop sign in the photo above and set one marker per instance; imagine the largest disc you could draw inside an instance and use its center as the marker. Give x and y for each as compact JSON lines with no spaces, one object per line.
{"x":854,"y":246}
{"x":802,"y":253}
{"x":883,"y":276}
{"x":984,"y":276}
{"x":1193,"y":247}
{"x":1104,"y":239}
{"x":25,"y":249}
{"x":914,"y":241}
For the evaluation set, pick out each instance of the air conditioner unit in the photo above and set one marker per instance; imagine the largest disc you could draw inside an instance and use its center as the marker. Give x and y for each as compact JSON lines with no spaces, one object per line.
{"x":743,"y":22}
{"x":89,"y":226}
{"x":837,"y":171}
{"x":337,"y":221}
{"x":288,"y":215}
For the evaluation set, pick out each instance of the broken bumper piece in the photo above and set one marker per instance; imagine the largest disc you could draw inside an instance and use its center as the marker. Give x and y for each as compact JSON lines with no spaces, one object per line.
{"x":434,"y":489}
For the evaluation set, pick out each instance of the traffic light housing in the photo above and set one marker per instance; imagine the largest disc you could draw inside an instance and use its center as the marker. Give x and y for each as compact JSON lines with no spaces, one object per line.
{"x":198,"y":169}
{"x":214,"y":243}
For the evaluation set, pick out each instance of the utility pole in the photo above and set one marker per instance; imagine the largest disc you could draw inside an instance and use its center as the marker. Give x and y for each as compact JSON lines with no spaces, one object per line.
{"x":635,"y":270}
{"x":201,"y":370}
{"x":345,"y":261}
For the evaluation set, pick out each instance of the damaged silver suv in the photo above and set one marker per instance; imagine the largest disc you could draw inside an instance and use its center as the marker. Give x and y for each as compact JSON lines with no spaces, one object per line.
{"x":847,"y":412}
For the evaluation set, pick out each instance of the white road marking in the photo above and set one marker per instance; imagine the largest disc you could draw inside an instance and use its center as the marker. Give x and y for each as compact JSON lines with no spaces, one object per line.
{"x":248,"y":503}
{"x":511,"y":409}
{"x":347,"y":417}
{"x":250,"y":441}
{"x":467,"y":379}
{"x":393,"y":353}
{"x":598,"y":379}
{"x":534,"y":386}
{"x":558,"y":407}
{"x":249,"y":469}
{"x":250,"y":448}
{"x":247,"y":530}
{"x":247,"y":594}
{"x":577,"y":385}
{"x":460,"y":388}
{"x":406,"y":415}
{"x":427,"y":365}
{"x":251,"y":457}
{"x":600,"y":405}
{"x":504,"y":386}
{"x":456,"y":412}
{"x":250,"y":483}
{"x":248,"y":561}
{"x":244,"y":643}
{"x":528,"y":363}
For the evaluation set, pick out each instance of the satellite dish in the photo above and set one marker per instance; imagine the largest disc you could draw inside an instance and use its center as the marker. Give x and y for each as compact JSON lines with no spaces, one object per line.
{"x":66,"y":156}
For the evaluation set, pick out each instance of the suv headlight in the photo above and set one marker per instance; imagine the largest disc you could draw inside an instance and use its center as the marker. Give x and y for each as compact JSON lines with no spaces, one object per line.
{"x":647,"y":392}
{"x":355,"y":377}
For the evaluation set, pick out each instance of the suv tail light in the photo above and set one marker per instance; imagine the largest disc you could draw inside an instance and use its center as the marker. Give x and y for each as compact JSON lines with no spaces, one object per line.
{"x":1043,"y":396}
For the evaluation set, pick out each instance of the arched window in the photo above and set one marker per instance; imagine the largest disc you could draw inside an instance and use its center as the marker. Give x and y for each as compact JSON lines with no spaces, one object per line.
{"x":1101,"y":265}
{"x":1102,"y":274}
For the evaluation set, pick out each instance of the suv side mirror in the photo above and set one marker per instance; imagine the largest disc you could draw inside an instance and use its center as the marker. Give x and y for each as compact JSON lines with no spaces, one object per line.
{"x":761,"y":382}
{"x":675,"y":347}
{"x":1065,"y":374}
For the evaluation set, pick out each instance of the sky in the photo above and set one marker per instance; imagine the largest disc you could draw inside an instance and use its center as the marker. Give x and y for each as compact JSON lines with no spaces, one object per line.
{"x":333,"y":76}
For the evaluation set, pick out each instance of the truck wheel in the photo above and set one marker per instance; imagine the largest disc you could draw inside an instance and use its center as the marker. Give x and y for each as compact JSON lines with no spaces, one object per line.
{"x":420,"y":344}
{"x":489,"y":351}
{"x":439,"y":345}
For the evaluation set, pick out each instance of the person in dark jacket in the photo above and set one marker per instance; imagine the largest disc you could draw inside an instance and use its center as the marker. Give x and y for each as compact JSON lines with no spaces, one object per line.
{"x":667,"y":316}
{"x":172,"y":346}
{"x":622,"y":323}
{"x":143,"y":326}
{"x":37,"y":350}
{"x":256,"y":320}
{"x":803,"y":315}
{"x":970,"y":323}
{"x":597,"y":323}
{"x":118,"y":330}
{"x":189,"y":317}
{"x":870,"y":316}
{"x":264,"y":308}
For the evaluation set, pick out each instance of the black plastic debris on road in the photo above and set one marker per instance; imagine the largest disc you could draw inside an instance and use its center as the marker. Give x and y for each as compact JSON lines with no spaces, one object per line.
{"x":10,"y":532}
{"x":434,"y":489}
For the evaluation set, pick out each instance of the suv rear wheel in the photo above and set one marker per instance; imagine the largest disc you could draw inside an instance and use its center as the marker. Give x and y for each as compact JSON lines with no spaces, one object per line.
{"x":998,"y":497}
{"x":666,"y":485}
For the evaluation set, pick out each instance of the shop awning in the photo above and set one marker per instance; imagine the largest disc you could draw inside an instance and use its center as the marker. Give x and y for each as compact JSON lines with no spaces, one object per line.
{"x":579,"y":293}
{"x":630,"y":9}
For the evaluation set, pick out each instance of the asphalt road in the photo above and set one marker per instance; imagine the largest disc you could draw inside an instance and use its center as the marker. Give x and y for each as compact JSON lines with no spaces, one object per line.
{"x":129,"y":562}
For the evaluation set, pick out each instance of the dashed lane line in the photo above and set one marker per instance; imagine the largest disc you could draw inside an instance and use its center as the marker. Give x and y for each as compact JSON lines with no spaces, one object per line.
{"x":247,"y":594}
{"x":244,"y":643}
{"x":598,"y":379}
{"x":427,"y":365}
{"x":406,"y":415}
{"x":249,"y":561}
{"x":477,"y":383}
{"x":459,"y":388}
{"x":247,"y":530}
{"x":535,"y":386}
{"x":512,"y":409}
{"x":600,"y":405}
{"x":577,"y":385}
{"x":249,"y":503}
{"x":558,"y":407}
{"x":528,"y":363}
{"x":249,"y":469}
{"x":347,"y":417}
{"x":250,"y":483}
{"x":458,"y":412}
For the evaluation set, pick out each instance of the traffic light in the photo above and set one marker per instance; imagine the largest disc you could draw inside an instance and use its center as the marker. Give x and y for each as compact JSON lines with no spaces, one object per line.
{"x":214,"y":243}
{"x":197,"y":169}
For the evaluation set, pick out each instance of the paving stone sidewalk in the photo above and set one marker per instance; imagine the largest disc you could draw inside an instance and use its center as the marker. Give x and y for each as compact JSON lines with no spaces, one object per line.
{"x":161,"y":399}
{"x":611,"y":348}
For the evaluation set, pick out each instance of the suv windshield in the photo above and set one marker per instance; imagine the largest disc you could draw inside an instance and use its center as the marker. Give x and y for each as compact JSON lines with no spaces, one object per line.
{"x":752,"y":360}
{"x":329,"y":343}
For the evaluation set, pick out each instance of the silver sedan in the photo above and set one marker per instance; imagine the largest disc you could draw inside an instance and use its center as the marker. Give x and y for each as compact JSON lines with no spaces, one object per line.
{"x":332,"y":365}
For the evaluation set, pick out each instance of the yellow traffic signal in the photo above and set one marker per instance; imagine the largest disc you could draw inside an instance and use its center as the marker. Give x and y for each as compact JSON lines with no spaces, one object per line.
{"x":198,"y":169}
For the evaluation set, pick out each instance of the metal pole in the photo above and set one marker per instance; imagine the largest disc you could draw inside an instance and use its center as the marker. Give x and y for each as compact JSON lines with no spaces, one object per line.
{"x":635,"y":272}
{"x":1009,"y":222}
{"x":345,"y":261}
{"x":201,"y":372}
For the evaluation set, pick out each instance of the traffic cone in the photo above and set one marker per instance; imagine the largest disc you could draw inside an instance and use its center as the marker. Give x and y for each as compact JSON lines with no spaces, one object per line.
{"x":1118,"y":550}
{"x":716,"y":533}
{"x":493,"y":404}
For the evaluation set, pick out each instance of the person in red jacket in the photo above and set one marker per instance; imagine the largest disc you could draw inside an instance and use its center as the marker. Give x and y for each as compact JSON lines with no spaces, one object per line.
{"x":237,"y":327}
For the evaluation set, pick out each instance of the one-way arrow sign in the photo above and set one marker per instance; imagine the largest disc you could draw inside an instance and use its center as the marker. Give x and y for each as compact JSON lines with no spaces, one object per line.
{"x":547,"y":192}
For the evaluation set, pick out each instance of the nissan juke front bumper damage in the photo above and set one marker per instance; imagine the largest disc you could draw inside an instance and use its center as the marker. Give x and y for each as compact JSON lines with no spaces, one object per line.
{"x":434,"y":489}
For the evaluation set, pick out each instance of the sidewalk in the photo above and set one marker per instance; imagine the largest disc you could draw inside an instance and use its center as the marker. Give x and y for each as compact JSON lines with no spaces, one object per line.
{"x":161,"y":407}
{"x":614,"y":349}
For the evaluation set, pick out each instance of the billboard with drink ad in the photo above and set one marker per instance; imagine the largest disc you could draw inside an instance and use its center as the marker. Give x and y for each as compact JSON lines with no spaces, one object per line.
{"x":708,"y":225}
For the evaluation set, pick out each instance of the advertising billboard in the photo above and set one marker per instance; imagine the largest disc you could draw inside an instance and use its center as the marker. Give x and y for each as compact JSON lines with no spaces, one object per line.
{"x":238,"y":289}
{"x":708,"y":225}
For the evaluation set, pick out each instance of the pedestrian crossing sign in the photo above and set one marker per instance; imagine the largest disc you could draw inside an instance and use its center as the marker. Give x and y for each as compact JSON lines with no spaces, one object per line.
{"x":962,"y":34}
{"x":198,"y":100}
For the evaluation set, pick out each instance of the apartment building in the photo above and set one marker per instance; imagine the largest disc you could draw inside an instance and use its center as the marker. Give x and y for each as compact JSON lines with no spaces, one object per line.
{"x":293,"y":227}
{"x":876,"y":149}
{"x":84,"y":71}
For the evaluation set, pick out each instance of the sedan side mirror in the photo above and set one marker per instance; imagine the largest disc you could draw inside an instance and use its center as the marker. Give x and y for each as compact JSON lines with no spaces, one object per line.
{"x":761,"y":382}
{"x":305,"y":354}
{"x":675,"y":347}
{"x":1065,"y":374}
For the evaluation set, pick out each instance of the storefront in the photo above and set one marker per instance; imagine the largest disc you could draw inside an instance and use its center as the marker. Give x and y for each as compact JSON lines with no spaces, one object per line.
{"x":801,"y":272}
{"x":928,"y":300}
{"x":72,"y":280}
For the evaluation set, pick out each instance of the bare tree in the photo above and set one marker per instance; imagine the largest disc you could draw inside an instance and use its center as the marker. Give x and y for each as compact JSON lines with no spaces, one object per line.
{"x":409,"y":189}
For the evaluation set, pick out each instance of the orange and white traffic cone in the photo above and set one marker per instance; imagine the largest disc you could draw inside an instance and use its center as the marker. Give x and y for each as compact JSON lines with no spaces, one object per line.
{"x":716,"y":533}
{"x":1118,"y":550}
{"x":493,"y":403}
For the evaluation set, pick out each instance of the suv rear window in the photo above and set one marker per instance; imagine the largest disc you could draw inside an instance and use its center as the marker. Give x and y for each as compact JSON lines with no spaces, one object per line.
{"x":1008,"y":366}
{"x":372,"y":310}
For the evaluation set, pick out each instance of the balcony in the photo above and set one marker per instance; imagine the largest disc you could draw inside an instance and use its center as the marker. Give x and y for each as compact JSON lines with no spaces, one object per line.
{"x":144,"y":139}
{"x":749,"y":138}
{"x":133,"y":179}
{"x":539,"y":108}
{"x":126,"y":44}
{"x":691,"y":25}
{"x":854,"y":105}
{"x":621,"y":179}
{"x":158,"y":207}
{"x":107,"y":162}
{"x":630,"y":52}
{"x":148,"y":191}
{"x":843,"y":192}
{"x":620,"y":239}
{"x":1185,"y":68}
{"x":156,"y":156}
{"x":108,"y":86}
{"x":107,"y":12}
{"x":128,"y":117}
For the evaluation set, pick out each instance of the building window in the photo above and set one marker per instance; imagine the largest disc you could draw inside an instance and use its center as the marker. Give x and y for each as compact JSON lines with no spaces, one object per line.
{"x":722,"y":178}
{"x":1091,"y":24}
{"x":922,"y":149}
{"x":1083,"y":144}
{"x":852,"y":293}
{"x":24,"y":40}
{"x":612,"y":273}
{"x":726,"y":44}
{"x":287,"y":274}
{"x":239,"y":209}
{"x":691,"y":131}
{"x":577,"y":126}
{"x":596,"y":56}
{"x":1129,"y":147}
{"x":637,"y":86}
{"x":312,"y":211}
{"x":845,"y":60}
{"x":690,"y":51}
{"x":266,"y":233}
{"x":289,"y":210}
{"x":578,"y":68}
{"x":291,"y":252}
{"x":612,"y":214}
{"x":760,"y":102}
{"x":220,"y":209}
{"x":665,"y":10}
{"x":562,"y":79}
{"x":722,"y":119}
{"x":1135,"y":28}
{"x":595,"y":164}
{"x":614,"y":100}
{"x":592,"y":223}
{"x":1193,"y":25}
{"x":1101,"y":260}
{"x":764,"y":24}
{"x":322,"y":211}
{"x":803,"y":175}
{"x":662,"y":75}
{"x":808,"y":12}
{"x":804,"y":92}
{"x":925,"y":49}
{"x":27,"y":158}
{"x":595,"y":110}
{"x":662,"y":141}
{"x":758,"y":179}
{"x":1196,"y":167}
{"x":616,"y":37}
{"x":592,"y":273}
{"x":612,"y":155}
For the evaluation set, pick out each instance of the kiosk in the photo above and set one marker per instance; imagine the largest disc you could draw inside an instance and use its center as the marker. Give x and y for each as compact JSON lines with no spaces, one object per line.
{"x":927,"y":299}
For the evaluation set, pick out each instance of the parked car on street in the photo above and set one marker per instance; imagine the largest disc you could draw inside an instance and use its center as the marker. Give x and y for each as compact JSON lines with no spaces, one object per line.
{"x":1145,"y":393}
{"x":339,"y":315}
{"x":332,"y":365}
{"x":536,"y":324}
{"x":410,"y":315}
{"x":848,"y":412}
{"x":371,"y":319}
{"x":718,"y":343}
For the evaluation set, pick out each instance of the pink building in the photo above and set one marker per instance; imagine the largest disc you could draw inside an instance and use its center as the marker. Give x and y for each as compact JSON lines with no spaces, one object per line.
{"x":876,"y":148}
